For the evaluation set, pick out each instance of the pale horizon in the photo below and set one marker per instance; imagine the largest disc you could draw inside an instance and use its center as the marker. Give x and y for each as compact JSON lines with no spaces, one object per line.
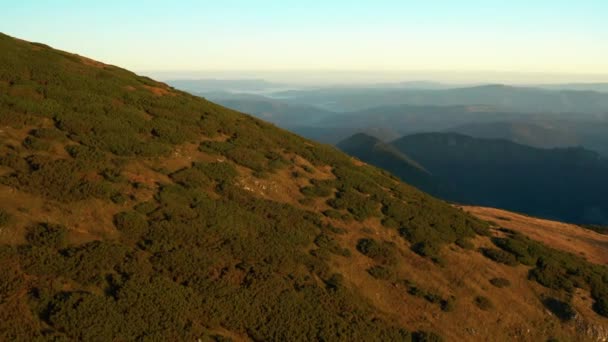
{"x":519,"y":42}
{"x":357,"y":77}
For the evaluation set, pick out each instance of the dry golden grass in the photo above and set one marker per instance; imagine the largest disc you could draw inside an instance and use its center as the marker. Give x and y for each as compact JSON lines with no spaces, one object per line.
{"x":567,"y":237}
{"x":86,"y":220}
{"x":518,"y":313}
{"x":158,"y":91}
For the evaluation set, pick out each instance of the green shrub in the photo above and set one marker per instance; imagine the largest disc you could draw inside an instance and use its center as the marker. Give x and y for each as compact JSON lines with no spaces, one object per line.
{"x":5,"y":218}
{"x":500,"y":256}
{"x":36,"y":144}
{"x":356,"y":204}
{"x":426,"y":336}
{"x":118,"y":198}
{"x":464,"y":243}
{"x":131,"y":224}
{"x":483,"y":303}
{"x":316,"y":191}
{"x":328,"y":243}
{"x":47,"y":235}
{"x":145,"y":208}
{"x":191,"y":178}
{"x":382,"y":252}
{"x":113,"y":175}
{"x":564,"y":311}
{"x":380,"y":272}
{"x":448,"y":305}
{"x":218,"y":171}
{"x":48,"y":133}
{"x":335,"y":282}
{"x":518,"y":247}
{"x":500,"y":282}
{"x":86,"y":154}
{"x":427,"y":249}
{"x":550,"y":274}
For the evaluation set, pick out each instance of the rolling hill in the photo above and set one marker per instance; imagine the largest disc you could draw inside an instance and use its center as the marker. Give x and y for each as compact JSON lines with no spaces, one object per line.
{"x":563,"y":183}
{"x":544,"y":132}
{"x":375,"y":152}
{"x":130,"y":210}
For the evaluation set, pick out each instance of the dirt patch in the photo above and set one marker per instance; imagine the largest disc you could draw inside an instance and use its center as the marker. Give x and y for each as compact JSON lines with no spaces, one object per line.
{"x":159,"y":91}
{"x":567,"y":237}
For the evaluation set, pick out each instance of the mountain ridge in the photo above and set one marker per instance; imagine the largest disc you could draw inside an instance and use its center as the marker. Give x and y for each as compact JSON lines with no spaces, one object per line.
{"x":501,"y":173}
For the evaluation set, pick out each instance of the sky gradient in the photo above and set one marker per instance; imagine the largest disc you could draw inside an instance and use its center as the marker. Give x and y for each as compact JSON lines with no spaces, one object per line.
{"x":565,"y":40}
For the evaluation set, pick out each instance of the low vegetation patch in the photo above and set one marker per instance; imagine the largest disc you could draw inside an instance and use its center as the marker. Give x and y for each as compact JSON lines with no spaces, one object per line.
{"x":384,"y":253}
{"x":558,"y":270}
{"x":483,"y":303}
{"x":500,"y":282}
{"x":563,"y":310}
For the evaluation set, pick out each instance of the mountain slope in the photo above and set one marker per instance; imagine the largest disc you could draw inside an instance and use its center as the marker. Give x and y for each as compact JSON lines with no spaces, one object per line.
{"x":377,"y":153}
{"x":133,"y":211}
{"x":543,"y":132}
{"x":567,"y":184}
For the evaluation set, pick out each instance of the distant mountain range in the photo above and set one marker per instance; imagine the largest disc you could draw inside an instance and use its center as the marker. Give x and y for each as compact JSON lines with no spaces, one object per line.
{"x":568,"y":183}
{"x":207,"y":85}
{"x":544,"y":130}
{"x":499,"y":96}
{"x":600,"y":87}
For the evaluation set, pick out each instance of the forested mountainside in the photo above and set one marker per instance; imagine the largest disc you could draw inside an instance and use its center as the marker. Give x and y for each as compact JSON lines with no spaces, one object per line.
{"x":133,"y":211}
{"x":566,"y":184}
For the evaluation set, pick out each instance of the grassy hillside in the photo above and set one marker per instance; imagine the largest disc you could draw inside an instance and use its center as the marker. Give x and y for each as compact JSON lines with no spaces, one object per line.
{"x":133,"y":211}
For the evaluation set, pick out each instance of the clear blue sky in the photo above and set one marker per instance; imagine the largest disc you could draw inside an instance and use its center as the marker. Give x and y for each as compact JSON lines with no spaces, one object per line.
{"x":382,"y":35}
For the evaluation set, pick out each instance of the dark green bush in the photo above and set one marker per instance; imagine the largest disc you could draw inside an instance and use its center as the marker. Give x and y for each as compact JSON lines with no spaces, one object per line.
{"x":426,"y":336}
{"x":464,"y":243}
{"x":324,"y":241}
{"x":145,"y":208}
{"x":384,"y":253}
{"x":380,"y":272}
{"x":549,"y":273}
{"x":48,"y":133}
{"x":36,"y":144}
{"x":564,"y":311}
{"x":316,"y":191}
{"x":483,"y":303}
{"x":500,"y":256}
{"x":500,"y":282}
{"x":60,"y":179}
{"x":47,"y":235}
{"x":5,"y":218}
{"x":131,"y":224}
{"x":356,"y":204}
